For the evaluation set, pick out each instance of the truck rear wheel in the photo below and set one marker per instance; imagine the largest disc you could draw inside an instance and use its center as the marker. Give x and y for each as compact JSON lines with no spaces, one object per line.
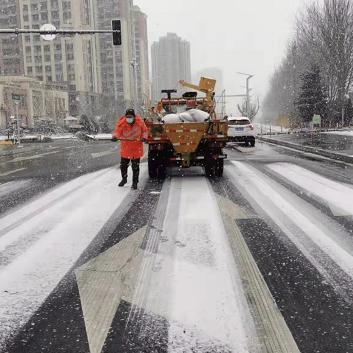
{"x":157,"y":168}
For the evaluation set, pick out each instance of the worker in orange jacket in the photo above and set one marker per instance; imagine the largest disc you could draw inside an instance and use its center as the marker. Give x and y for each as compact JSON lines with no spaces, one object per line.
{"x":132,"y":132}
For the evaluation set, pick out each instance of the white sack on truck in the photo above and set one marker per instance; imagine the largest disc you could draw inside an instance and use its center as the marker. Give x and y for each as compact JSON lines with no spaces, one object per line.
{"x":190,"y":116}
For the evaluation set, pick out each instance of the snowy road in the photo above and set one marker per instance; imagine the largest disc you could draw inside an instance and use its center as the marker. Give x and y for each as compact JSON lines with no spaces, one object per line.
{"x":259,"y":261}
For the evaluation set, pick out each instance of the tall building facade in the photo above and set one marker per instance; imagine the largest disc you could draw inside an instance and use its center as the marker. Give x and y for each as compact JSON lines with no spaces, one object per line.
{"x":141,"y":57}
{"x":124,"y":69}
{"x":102,"y":79}
{"x":171,"y":62}
{"x":73,"y":60}
{"x":11,"y":56}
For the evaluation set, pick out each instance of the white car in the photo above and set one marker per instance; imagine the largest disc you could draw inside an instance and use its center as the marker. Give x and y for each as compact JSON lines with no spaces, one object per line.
{"x":240,"y":129}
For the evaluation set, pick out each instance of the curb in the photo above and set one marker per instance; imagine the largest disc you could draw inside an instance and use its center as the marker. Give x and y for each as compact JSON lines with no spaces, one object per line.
{"x":318,"y":151}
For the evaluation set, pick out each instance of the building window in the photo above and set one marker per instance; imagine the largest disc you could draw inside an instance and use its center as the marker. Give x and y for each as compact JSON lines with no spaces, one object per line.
{"x":43,"y":6}
{"x":29,"y":70}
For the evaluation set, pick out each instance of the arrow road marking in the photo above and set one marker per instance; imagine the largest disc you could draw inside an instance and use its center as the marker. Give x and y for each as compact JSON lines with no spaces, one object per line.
{"x":104,"y":281}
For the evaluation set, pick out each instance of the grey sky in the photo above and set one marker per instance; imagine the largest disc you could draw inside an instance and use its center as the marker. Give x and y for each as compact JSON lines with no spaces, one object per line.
{"x":236,"y":35}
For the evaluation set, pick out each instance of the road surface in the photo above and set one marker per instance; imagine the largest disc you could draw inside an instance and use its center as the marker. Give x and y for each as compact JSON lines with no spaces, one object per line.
{"x":258,"y":261}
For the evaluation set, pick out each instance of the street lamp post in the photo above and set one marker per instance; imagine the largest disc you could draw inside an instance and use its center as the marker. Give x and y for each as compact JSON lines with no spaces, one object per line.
{"x":134,"y":66}
{"x":249,"y":77}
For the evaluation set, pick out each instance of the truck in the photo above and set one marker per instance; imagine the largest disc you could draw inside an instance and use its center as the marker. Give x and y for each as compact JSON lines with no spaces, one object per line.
{"x":186,"y":144}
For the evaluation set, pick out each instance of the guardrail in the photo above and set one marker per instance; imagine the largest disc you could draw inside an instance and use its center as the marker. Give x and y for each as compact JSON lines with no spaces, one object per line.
{"x":318,"y":151}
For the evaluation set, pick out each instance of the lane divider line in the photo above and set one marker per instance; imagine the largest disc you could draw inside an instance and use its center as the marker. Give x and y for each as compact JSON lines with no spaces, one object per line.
{"x":274,"y":334}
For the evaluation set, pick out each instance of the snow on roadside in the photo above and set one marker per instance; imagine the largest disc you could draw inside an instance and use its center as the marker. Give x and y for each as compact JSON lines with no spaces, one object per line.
{"x":62,"y":137}
{"x":337,"y":195}
{"x":348,"y":133}
{"x":63,"y":222}
{"x":101,"y":137}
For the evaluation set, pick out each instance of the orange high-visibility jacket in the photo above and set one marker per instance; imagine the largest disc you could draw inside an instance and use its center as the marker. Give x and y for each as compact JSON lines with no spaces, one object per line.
{"x":131,"y":149}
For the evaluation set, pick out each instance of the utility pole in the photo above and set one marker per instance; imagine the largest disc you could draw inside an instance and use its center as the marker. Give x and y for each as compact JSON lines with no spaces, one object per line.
{"x":249,"y":77}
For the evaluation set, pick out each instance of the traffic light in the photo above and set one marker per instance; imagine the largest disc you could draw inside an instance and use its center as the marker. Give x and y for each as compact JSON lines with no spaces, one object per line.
{"x":116,"y":27}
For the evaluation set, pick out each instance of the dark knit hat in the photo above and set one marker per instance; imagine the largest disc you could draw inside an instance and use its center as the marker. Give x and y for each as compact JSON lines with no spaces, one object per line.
{"x":130,"y":112}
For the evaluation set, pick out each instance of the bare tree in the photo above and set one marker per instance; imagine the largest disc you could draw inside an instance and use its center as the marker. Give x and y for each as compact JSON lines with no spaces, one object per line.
{"x":250,"y":111}
{"x":324,"y":37}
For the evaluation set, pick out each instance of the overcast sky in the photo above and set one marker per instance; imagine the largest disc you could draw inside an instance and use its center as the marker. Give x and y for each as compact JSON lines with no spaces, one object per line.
{"x":235,"y":35}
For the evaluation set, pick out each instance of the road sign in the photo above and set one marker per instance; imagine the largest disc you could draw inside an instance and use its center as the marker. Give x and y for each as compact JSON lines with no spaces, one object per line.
{"x":16,"y":98}
{"x":48,"y":27}
{"x":317,"y":119}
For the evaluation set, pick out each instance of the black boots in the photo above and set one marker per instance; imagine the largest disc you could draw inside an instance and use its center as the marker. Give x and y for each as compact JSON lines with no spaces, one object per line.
{"x":124,"y":164}
{"x":123,"y":182}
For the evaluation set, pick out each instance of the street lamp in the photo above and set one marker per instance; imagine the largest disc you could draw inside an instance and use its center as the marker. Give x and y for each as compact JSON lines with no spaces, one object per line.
{"x":134,"y":66}
{"x":249,"y":76}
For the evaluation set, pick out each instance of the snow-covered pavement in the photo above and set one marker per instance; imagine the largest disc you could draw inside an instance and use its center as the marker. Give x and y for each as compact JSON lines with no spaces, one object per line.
{"x":13,"y":186}
{"x":348,"y":133}
{"x":305,"y":225}
{"x":194,"y":259}
{"x":40,"y":241}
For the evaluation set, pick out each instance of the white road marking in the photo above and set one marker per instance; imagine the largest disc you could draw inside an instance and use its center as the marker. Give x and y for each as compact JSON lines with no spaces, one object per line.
{"x":63,"y":222}
{"x":12,"y":186}
{"x":338,"y":196}
{"x":102,"y":154}
{"x":35,"y":156}
{"x":195,"y":284}
{"x":272,"y":330}
{"x":12,"y":172}
{"x":104,"y":281}
{"x":290,"y":213}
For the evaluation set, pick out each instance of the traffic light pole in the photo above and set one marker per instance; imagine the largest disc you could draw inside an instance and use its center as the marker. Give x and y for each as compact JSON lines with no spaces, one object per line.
{"x":50,"y":30}
{"x":57,"y":31}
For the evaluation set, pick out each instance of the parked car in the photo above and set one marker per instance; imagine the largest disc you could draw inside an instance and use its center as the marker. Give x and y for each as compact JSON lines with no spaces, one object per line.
{"x":240,"y":129}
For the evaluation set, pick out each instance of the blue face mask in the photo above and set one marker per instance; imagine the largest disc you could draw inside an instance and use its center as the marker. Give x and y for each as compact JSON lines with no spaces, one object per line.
{"x":130,"y":119}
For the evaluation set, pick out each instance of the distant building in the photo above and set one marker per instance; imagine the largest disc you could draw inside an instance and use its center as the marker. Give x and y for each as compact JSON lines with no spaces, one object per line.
{"x":171,"y":62}
{"x":100,"y":77}
{"x":119,"y":65}
{"x":39,"y":101}
{"x":141,"y":56}
{"x":72,"y":60}
{"x":214,"y":73}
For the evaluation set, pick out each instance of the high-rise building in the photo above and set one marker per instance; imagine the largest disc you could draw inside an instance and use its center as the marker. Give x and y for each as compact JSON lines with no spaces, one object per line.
{"x":170,"y":63}
{"x":124,"y":69}
{"x":141,"y":56}
{"x":73,"y":60}
{"x":98,"y":74}
{"x":11,"y":57}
